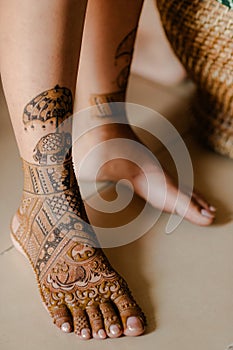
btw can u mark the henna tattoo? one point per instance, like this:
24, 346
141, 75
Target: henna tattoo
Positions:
106, 104
95, 318
57, 215
123, 57
122, 79
109, 314
127, 44
53, 228
45, 180
52, 212
80, 320
53, 105
54, 148
59, 245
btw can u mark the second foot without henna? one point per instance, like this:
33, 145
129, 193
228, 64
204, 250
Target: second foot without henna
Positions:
163, 191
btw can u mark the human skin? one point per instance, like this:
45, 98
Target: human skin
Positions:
40, 48
106, 56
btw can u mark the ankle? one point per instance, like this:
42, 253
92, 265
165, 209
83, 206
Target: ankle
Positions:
48, 179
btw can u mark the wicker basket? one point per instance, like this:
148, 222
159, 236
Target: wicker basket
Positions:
201, 34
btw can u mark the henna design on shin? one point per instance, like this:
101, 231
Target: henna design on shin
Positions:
54, 105
126, 46
123, 58
106, 103
53, 228
52, 212
54, 148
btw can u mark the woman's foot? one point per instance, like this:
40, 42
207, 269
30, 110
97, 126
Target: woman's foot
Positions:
163, 191
78, 286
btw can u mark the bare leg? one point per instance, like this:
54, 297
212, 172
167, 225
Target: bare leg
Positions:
40, 43
109, 35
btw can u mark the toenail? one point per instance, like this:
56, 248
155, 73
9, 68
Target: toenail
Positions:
133, 323
101, 334
85, 333
66, 327
205, 213
213, 209
114, 329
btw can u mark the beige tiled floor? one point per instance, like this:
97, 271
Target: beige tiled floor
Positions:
183, 281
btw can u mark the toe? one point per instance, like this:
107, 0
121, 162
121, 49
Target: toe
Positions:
81, 324
62, 318
132, 317
199, 212
203, 203
96, 322
196, 211
111, 320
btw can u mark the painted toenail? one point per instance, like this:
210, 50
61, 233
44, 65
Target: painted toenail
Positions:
85, 333
101, 334
66, 327
213, 209
205, 213
133, 323
114, 329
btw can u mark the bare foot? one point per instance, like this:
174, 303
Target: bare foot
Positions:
162, 195
78, 286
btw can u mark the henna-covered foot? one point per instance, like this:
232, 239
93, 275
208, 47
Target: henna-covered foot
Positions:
78, 286
80, 289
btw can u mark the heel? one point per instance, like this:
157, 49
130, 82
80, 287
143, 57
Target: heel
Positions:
17, 245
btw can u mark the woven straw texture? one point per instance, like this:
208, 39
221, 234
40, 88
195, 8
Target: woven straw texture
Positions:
201, 34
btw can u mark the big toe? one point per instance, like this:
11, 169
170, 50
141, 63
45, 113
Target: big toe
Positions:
132, 317
134, 326
197, 211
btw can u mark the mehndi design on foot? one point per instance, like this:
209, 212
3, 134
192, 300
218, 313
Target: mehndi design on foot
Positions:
78, 286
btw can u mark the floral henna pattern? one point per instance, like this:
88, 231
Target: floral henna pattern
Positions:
61, 248
75, 278
87, 284
53, 106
